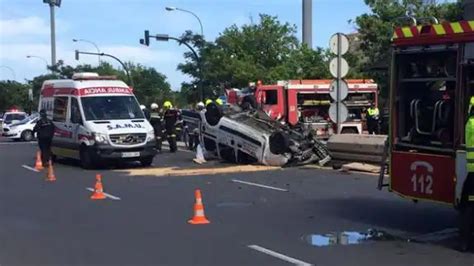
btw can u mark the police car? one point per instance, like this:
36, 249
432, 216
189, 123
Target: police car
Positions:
22, 130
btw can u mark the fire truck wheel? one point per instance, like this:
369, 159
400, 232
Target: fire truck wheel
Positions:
466, 226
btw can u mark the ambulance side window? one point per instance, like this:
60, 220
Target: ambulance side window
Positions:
75, 112
60, 109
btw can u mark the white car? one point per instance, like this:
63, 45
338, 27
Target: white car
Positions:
22, 130
13, 117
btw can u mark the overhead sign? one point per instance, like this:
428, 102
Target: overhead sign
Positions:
333, 67
343, 112
334, 44
343, 88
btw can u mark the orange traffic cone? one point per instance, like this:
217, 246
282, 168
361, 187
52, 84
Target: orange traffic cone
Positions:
199, 217
38, 163
50, 177
98, 189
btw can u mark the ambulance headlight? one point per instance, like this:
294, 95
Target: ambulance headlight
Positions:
150, 135
100, 138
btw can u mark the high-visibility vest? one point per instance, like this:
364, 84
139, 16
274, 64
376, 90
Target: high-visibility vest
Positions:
373, 111
469, 135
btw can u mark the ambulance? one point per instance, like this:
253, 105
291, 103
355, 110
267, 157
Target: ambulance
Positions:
97, 119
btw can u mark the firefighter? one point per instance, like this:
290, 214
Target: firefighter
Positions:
208, 101
146, 112
194, 135
373, 119
156, 123
44, 130
171, 117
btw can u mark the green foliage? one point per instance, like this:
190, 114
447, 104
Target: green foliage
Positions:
267, 51
376, 30
14, 94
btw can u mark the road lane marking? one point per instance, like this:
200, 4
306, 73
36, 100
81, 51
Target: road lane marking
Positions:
279, 255
16, 143
259, 185
106, 194
30, 168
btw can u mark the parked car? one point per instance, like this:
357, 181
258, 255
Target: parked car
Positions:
22, 130
13, 117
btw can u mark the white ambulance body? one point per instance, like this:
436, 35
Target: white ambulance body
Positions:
97, 119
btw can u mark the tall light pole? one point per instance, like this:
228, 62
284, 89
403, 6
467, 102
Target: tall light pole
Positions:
308, 23
91, 42
52, 4
172, 8
39, 57
11, 70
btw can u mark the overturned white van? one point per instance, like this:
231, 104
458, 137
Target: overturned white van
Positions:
97, 118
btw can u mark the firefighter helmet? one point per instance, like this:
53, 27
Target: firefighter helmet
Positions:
167, 105
154, 106
219, 101
208, 101
143, 107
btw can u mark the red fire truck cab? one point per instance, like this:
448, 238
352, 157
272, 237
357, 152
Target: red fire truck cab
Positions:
308, 102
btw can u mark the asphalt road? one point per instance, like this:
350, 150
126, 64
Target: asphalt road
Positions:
57, 224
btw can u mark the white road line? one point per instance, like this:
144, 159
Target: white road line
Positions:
106, 194
259, 185
29, 168
279, 255
16, 143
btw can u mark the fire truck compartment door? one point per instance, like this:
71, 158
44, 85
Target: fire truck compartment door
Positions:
461, 173
423, 176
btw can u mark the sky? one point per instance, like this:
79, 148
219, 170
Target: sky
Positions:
117, 25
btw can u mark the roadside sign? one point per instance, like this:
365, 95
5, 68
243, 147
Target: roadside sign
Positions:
333, 67
343, 90
334, 43
343, 112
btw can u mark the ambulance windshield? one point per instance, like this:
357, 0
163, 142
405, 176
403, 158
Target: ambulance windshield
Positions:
111, 108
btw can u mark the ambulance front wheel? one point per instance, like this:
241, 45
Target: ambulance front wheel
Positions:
146, 161
86, 158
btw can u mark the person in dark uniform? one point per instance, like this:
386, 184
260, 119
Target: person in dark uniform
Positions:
44, 130
156, 123
146, 112
171, 116
373, 119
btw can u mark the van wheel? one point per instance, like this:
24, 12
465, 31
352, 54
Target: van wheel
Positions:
27, 135
86, 159
146, 161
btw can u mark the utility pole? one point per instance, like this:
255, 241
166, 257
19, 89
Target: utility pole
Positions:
52, 4
468, 7
308, 22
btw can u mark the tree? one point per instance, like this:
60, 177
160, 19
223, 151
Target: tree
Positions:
14, 94
376, 30
268, 51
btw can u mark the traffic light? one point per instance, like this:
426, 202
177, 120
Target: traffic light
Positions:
77, 55
146, 41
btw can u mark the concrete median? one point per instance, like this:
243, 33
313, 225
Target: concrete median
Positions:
357, 148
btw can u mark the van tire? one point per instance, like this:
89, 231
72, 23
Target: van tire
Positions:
86, 158
146, 161
27, 135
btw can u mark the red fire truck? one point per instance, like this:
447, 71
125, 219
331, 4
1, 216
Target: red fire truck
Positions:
432, 81
307, 102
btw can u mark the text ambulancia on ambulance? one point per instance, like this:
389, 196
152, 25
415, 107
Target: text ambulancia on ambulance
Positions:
97, 118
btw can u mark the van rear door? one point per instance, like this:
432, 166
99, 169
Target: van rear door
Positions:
63, 132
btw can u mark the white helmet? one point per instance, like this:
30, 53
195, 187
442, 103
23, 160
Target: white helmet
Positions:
143, 107
200, 104
154, 106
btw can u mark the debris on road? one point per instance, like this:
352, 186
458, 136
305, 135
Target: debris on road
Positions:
361, 167
194, 171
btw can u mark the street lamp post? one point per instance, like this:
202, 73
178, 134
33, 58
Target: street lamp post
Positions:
39, 57
165, 38
51, 4
130, 80
172, 8
93, 43
11, 70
